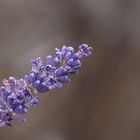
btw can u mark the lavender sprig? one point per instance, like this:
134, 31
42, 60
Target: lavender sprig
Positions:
17, 96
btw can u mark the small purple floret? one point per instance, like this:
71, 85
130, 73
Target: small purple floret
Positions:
36, 64
85, 49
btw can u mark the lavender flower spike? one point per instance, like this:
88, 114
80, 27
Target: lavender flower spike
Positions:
17, 96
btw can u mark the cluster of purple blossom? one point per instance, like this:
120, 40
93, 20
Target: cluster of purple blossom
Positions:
16, 96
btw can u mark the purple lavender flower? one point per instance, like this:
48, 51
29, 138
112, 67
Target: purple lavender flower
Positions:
17, 96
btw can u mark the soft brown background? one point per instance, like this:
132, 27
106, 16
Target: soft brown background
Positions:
103, 101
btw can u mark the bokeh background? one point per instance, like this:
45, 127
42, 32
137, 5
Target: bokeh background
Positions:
103, 101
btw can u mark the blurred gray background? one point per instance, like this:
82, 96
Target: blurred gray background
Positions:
103, 101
